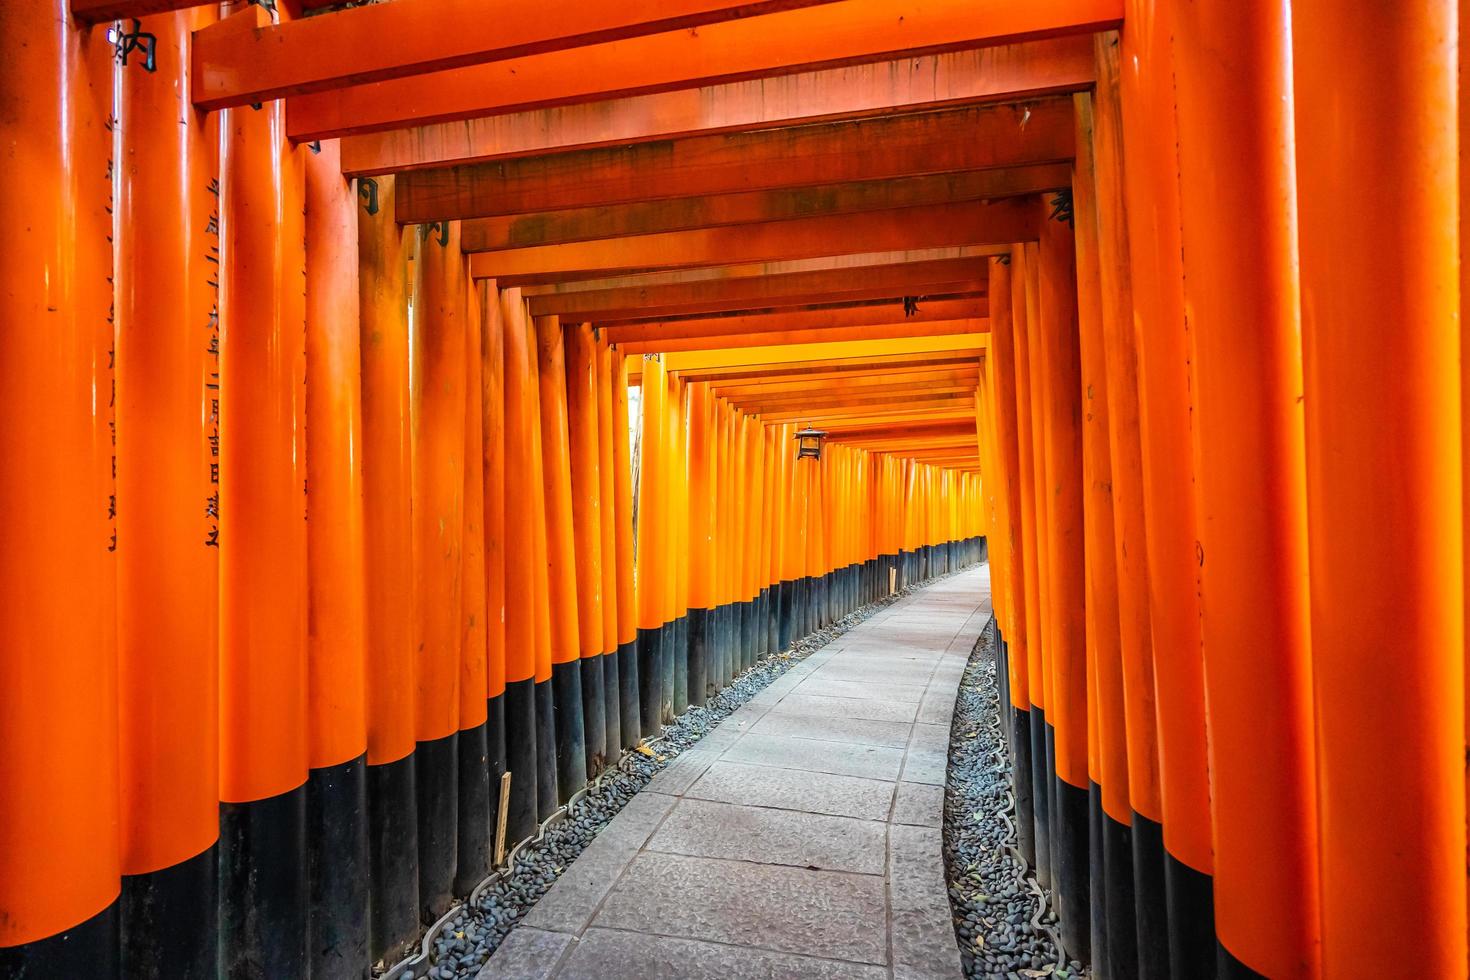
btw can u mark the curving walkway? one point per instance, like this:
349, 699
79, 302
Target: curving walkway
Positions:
801, 837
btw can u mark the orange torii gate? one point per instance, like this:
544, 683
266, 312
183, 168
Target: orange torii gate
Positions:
330, 571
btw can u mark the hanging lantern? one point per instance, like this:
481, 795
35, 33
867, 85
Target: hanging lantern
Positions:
809, 443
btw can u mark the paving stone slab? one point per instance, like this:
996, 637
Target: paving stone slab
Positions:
886, 650
937, 708
925, 764
919, 804
823, 687
931, 737
916, 870
704, 828
924, 946
526, 954
570, 903
792, 789
605, 954
798, 723
842, 758
869, 708
681, 773
880, 675
822, 913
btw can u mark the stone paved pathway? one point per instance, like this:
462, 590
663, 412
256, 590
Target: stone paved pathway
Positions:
800, 838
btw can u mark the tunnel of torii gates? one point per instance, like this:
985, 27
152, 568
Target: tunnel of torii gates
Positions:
325, 524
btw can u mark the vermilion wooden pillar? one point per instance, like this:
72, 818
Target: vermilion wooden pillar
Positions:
437, 418
1382, 399
168, 451
1115, 943
58, 728
1061, 388
492, 405
650, 556
611, 660
383, 253
263, 593
1233, 84
336, 803
1032, 518
1152, 192
674, 683
587, 505
522, 483
476, 816
561, 564
548, 792
1129, 525
623, 519
701, 539
1001, 360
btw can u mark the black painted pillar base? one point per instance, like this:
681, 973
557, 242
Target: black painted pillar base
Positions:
736, 662
337, 872
262, 887
630, 714
712, 681
697, 686
88, 949
594, 715
731, 645
1150, 904
758, 628
1022, 779
393, 857
1231, 968
168, 921
437, 780
736, 639
571, 735
612, 708
1097, 885
813, 604
473, 830
1003, 688
547, 746
650, 680
771, 616
798, 608
495, 761
522, 759
681, 664
666, 671
714, 677
804, 607
1073, 866
747, 633
1122, 948
785, 622
1190, 899
1040, 797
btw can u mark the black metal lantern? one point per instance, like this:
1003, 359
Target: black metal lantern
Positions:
809, 443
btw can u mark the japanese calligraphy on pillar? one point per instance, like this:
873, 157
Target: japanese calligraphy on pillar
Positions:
111, 327
211, 380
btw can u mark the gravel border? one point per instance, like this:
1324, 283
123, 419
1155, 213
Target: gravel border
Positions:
460, 943
1003, 919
